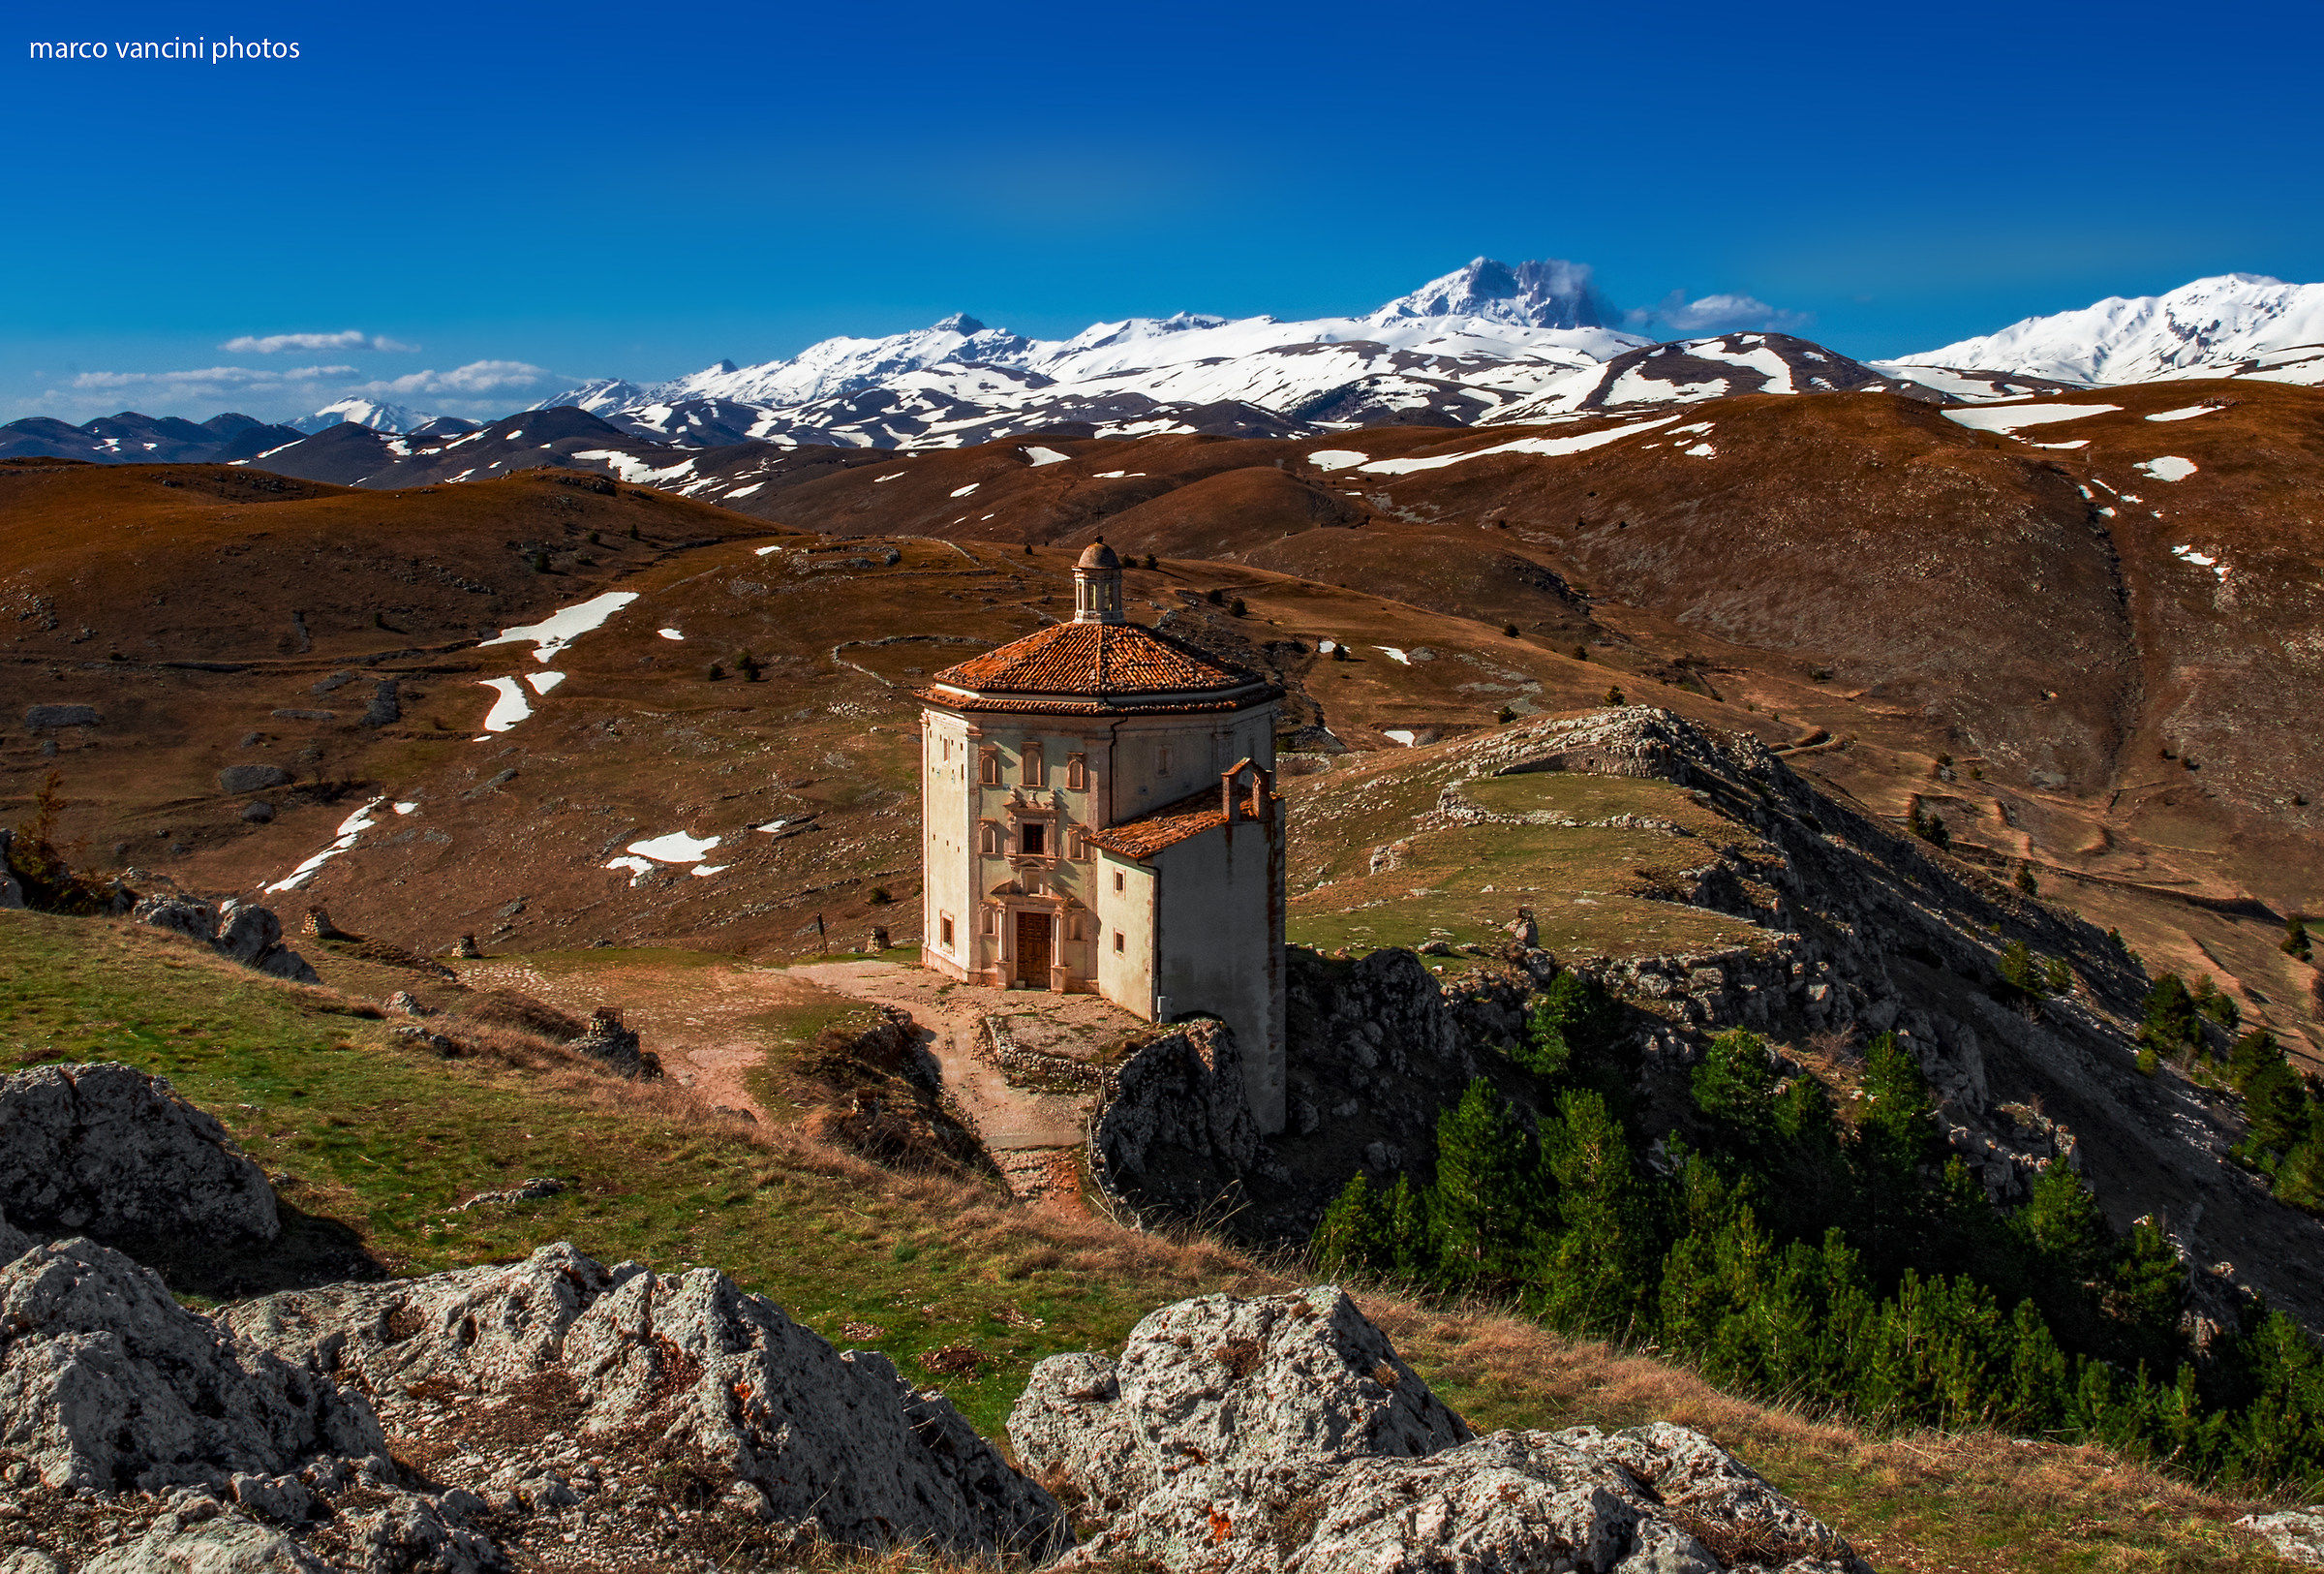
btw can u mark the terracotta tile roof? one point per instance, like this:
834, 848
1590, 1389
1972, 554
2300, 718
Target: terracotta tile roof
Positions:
1095, 659
1130, 703
1174, 822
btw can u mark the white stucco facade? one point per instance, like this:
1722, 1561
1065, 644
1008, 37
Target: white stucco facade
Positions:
1099, 815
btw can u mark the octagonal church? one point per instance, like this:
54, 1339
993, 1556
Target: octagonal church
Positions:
1100, 815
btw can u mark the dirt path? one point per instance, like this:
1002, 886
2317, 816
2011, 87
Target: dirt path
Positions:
712, 1020
705, 1019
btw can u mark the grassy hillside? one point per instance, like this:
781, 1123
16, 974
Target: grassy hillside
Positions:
378, 1141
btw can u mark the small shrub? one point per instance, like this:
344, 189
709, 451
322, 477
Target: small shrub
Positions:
1236, 608
2295, 938
1613, 697
540, 562
1929, 827
1215, 597
2025, 882
1339, 653
1508, 631
633, 535
1151, 561
595, 540
2148, 1061
1504, 715
2057, 977
715, 672
1581, 653
880, 896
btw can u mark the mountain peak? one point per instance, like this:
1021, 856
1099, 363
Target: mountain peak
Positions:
1546, 293
2221, 321
960, 322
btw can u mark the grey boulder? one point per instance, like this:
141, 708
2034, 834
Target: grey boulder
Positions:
252, 778
240, 931
2296, 1534
838, 1444
1284, 1433
41, 717
109, 1150
108, 1383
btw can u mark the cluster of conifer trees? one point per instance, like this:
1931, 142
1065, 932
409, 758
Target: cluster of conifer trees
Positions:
1847, 1261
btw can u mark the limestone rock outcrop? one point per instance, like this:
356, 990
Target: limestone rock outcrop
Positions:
1174, 1121
109, 1150
1284, 1433
552, 1410
106, 1382
240, 931
2297, 1534
798, 1434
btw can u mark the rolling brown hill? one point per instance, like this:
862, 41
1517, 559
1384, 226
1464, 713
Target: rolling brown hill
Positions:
2124, 658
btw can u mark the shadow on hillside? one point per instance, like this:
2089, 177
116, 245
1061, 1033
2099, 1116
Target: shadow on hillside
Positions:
311, 1251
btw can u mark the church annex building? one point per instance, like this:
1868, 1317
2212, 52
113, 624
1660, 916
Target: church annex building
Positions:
1099, 815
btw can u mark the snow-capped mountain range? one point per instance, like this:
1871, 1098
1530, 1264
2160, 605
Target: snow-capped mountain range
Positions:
1487, 344
2233, 324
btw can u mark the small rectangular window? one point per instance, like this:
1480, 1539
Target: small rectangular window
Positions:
988, 766
1162, 759
1117, 942
1033, 837
1077, 773
946, 922
988, 839
1035, 772
1118, 879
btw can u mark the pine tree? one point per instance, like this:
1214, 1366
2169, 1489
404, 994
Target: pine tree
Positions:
1596, 1275
2171, 1027
2295, 938
1483, 1204
1735, 1083
1349, 1235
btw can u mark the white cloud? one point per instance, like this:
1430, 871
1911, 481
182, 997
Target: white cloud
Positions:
1718, 314
273, 343
208, 377
476, 376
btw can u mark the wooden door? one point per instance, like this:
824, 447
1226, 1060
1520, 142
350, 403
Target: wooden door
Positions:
1033, 949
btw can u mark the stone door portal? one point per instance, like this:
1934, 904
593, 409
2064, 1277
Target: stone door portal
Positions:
1033, 948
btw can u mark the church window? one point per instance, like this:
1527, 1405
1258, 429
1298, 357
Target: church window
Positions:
1033, 838
1035, 772
988, 766
1078, 841
988, 839
1077, 773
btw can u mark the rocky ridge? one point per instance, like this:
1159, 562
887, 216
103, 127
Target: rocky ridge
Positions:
1864, 930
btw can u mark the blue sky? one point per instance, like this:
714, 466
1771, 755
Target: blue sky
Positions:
524, 192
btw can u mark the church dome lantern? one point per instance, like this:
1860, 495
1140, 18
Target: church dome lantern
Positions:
1097, 585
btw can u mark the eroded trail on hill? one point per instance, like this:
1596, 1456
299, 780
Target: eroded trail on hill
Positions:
712, 1022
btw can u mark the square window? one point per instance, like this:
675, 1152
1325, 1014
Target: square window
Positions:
1034, 837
